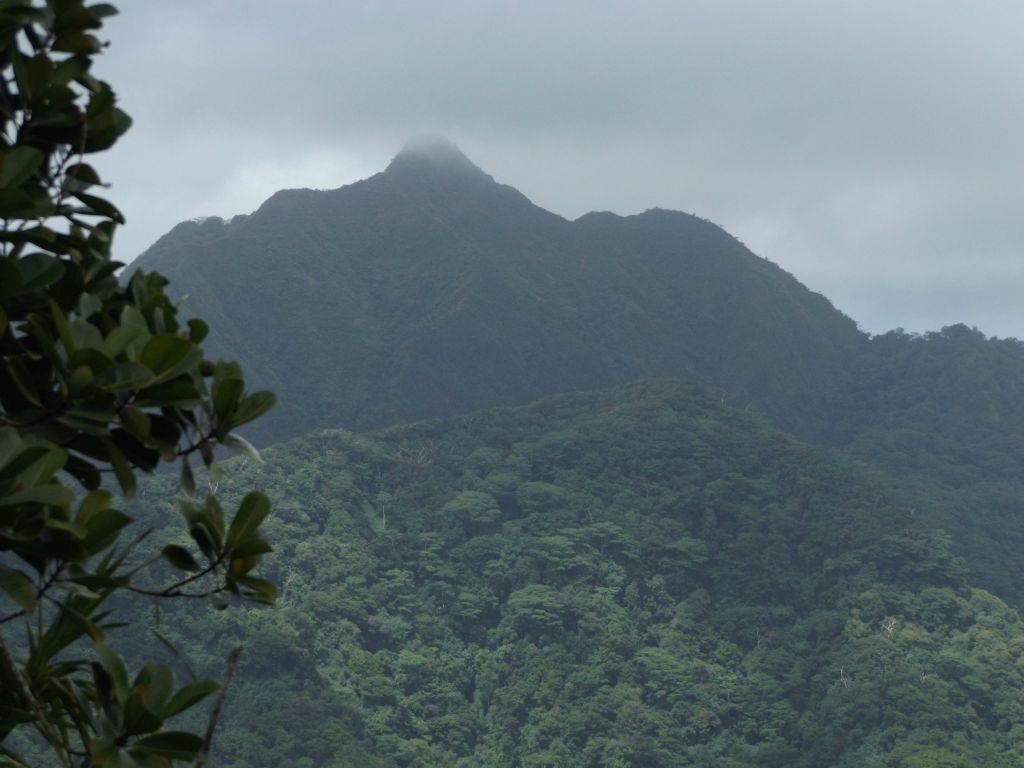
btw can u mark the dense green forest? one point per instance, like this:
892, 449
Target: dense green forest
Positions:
635, 577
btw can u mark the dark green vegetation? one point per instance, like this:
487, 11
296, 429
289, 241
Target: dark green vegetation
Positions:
640, 577
430, 290
98, 380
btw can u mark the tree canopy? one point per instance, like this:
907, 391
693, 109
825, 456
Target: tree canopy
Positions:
639, 576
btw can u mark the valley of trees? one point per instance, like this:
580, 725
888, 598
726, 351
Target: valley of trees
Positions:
598, 493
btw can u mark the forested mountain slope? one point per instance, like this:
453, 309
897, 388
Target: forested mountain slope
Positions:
943, 414
640, 576
431, 290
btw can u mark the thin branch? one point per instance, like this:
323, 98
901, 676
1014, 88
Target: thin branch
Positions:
204, 750
155, 593
174, 590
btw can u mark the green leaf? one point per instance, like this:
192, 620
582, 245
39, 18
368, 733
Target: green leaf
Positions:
136, 421
250, 547
102, 10
46, 459
53, 495
167, 355
250, 515
18, 166
84, 334
187, 478
100, 207
39, 235
138, 718
10, 279
226, 394
105, 129
70, 69
174, 745
93, 503
155, 684
18, 587
119, 338
38, 271
102, 528
197, 330
11, 445
214, 514
22, 378
179, 557
17, 204
89, 304
122, 470
104, 753
123, 377
68, 627
242, 565
76, 42
78, 531
39, 70
188, 696
60, 320
84, 174
253, 406
202, 529
262, 590
181, 393
243, 446
114, 666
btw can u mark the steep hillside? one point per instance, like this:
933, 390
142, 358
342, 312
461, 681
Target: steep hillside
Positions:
431, 290
634, 577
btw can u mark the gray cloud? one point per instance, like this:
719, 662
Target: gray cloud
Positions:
873, 149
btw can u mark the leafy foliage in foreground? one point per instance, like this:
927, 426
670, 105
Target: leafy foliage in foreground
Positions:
636, 577
97, 379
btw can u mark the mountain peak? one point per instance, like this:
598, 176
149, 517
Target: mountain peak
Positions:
436, 154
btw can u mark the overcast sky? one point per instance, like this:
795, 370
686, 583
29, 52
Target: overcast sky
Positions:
873, 149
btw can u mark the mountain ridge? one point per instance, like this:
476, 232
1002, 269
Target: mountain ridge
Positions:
419, 251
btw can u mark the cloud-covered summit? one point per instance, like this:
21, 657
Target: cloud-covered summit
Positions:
436, 154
